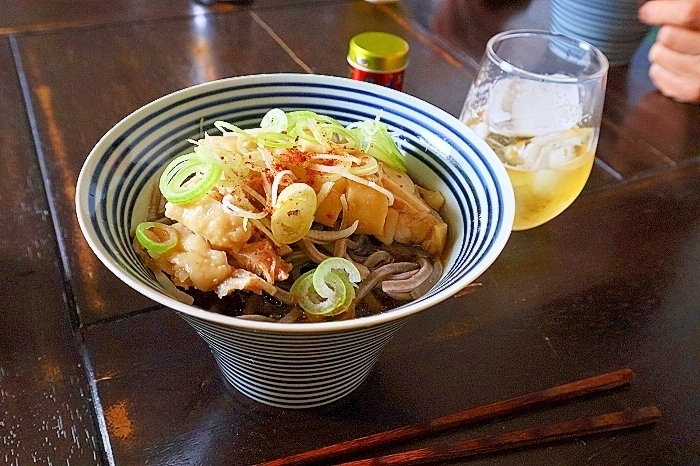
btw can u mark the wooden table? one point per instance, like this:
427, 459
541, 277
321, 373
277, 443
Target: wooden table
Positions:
93, 373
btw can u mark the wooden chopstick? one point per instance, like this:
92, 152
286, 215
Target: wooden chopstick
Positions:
518, 439
463, 418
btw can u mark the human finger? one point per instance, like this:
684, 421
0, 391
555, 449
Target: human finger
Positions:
679, 63
680, 39
685, 13
673, 85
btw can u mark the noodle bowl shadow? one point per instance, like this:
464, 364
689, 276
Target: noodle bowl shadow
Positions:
295, 365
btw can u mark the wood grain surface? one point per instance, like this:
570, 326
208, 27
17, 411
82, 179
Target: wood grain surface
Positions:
93, 373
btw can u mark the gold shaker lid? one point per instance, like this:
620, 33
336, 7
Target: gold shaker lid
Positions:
378, 51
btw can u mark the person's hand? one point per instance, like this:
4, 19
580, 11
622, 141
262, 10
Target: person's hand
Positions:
675, 56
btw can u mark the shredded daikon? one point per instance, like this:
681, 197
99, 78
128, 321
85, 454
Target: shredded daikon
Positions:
226, 127
276, 184
341, 158
327, 236
267, 157
227, 202
253, 193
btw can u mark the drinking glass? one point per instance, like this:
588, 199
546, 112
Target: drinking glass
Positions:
537, 101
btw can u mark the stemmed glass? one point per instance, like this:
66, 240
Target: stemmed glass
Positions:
537, 101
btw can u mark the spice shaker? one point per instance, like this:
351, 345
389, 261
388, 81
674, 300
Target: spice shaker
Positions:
378, 57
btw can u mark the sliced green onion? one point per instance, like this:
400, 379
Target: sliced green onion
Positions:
349, 297
297, 115
319, 135
293, 212
368, 166
330, 267
322, 128
213, 154
273, 139
274, 120
156, 237
337, 133
386, 155
301, 129
310, 301
377, 142
187, 178
364, 130
226, 127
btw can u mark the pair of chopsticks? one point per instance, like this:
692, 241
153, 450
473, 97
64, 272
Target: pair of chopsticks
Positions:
508, 441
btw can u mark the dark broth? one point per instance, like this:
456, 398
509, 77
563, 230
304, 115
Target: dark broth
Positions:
242, 303
246, 302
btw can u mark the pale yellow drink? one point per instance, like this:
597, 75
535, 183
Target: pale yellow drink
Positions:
541, 195
547, 171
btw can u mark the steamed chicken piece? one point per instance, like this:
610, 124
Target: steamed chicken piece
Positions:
244, 280
423, 228
261, 258
193, 263
212, 221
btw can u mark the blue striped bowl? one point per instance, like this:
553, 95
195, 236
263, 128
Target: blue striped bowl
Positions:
295, 365
609, 25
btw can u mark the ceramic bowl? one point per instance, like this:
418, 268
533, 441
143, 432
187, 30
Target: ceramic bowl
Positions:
295, 365
611, 26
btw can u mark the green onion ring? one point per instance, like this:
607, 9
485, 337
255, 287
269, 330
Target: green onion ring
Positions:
273, 139
175, 182
156, 229
333, 266
341, 297
275, 120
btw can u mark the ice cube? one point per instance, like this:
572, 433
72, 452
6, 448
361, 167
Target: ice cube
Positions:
520, 107
481, 129
553, 150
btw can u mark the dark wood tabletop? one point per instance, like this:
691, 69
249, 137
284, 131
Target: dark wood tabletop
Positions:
92, 373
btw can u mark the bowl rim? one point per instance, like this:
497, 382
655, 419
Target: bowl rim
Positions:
506, 209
